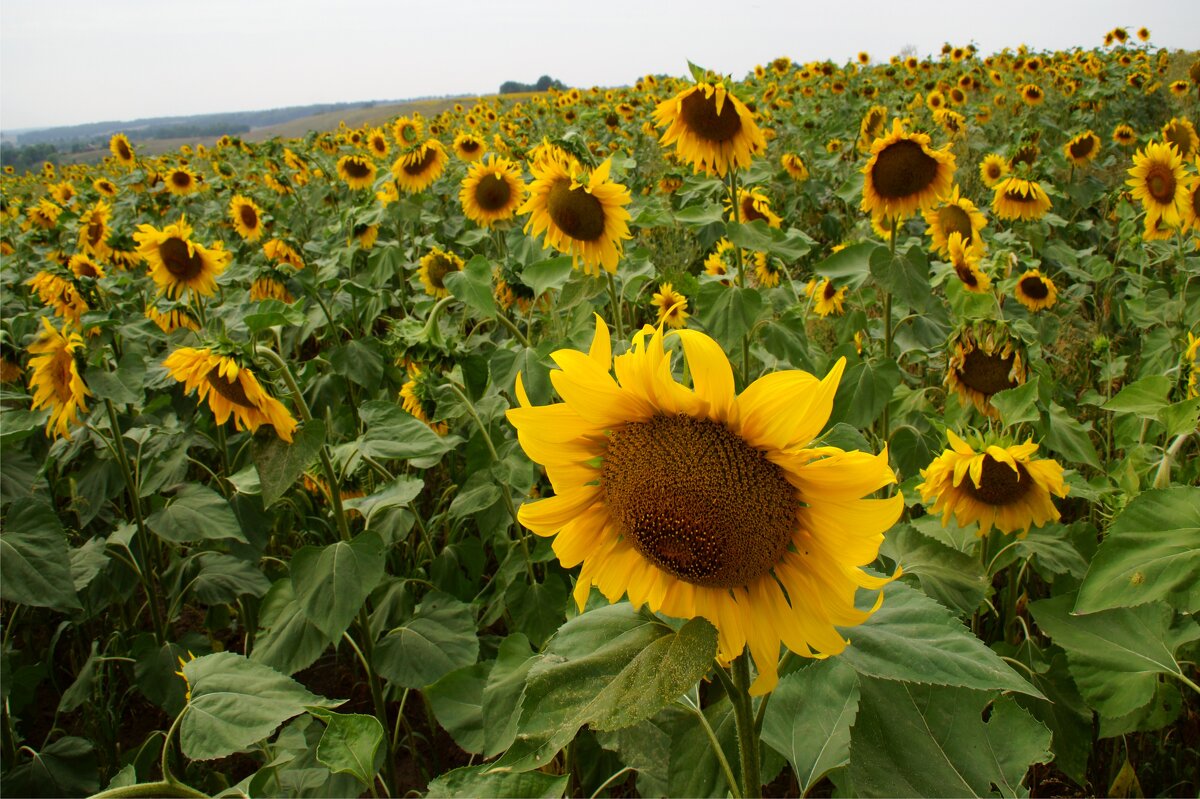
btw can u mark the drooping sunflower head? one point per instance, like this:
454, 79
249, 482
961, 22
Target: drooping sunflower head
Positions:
1036, 291
1082, 149
492, 191
1018, 198
712, 130
246, 217
181, 181
966, 257
281, 252
44, 214
62, 192
767, 270
671, 306
435, 265
697, 501
178, 264
1157, 178
586, 220
956, 214
94, 230
56, 381
415, 170
1181, 134
984, 360
794, 166
121, 149
1005, 487
231, 390
59, 294
418, 398
871, 126
358, 172
270, 286
469, 147
174, 317
904, 175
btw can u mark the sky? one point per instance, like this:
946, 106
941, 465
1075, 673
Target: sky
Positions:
66, 62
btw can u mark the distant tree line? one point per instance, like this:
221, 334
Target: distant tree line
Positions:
28, 158
544, 83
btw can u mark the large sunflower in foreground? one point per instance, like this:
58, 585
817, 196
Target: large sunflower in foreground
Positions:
904, 175
587, 221
177, 263
711, 128
1002, 487
417, 169
1018, 198
1158, 180
492, 191
56, 382
231, 389
702, 502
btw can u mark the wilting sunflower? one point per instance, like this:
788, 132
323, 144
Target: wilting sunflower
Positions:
181, 181
1158, 180
905, 176
281, 252
752, 205
416, 170
965, 257
356, 171
246, 217
492, 191
702, 502
984, 360
1181, 134
270, 287
1082, 149
94, 230
1036, 291
177, 263
671, 306
230, 388
1124, 135
956, 214
993, 169
43, 215
469, 147
1018, 198
1003, 486
377, 143
121, 149
174, 318
794, 166
60, 295
56, 382
826, 297
434, 267
510, 291
712, 130
587, 221
417, 397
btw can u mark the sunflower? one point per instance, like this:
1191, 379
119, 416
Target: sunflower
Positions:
752, 205
492, 191
177, 263
965, 257
44, 215
230, 388
56, 382
416, 170
871, 126
181, 181
827, 298
407, 132
83, 266
1003, 486
365, 235
1179, 88
62, 192
905, 176
469, 147
718, 263
105, 187
671, 305
794, 166
94, 230
1032, 94
509, 290
767, 272
246, 217
699, 502
1189, 209
417, 398
1158, 180
1036, 291
711, 129
357, 172
121, 149
269, 287
587, 221
1082, 149
377, 143
1124, 135
434, 267
60, 295
1017, 198
175, 317
956, 214
1180, 134
281, 252
984, 361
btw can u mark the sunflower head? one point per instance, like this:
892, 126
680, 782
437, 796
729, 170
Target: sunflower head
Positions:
418, 168
1181, 134
985, 359
435, 265
1036, 291
794, 166
230, 388
671, 307
358, 172
1158, 179
469, 147
1018, 198
121, 149
1082, 149
56, 381
904, 175
178, 264
712, 130
246, 217
492, 191
181, 181
956, 214
965, 256
418, 398
1124, 135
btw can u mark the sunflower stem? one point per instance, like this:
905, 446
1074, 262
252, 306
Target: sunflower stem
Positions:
615, 301
366, 656
743, 709
730, 780
503, 319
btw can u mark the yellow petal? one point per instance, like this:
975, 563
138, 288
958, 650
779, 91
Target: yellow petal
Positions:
712, 376
548, 516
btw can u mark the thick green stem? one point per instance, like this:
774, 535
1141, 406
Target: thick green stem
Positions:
151, 789
615, 300
1162, 477
743, 710
503, 319
366, 656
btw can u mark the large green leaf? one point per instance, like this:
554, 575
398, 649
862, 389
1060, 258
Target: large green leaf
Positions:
394, 433
866, 388
952, 577
850, 266
473, 285
1115, 655
236, 702
728, 312
611, 667
693, 767
1151, 552
472, 781
332, 582
287, 639
549, 274
503, 692
457, 703
921, 740
351, 744
906, 275
809, 718
1018, 404
279, 463
1063, 711
196, 513
439, 638
1144, 398
396, 494
223, 578
1067, 436
35, 567
912, 638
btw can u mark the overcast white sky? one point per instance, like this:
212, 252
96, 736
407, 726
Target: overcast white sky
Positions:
66, 62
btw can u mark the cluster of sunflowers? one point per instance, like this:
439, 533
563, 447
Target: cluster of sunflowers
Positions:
954, 218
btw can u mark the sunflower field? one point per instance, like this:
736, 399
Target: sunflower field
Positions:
826, 431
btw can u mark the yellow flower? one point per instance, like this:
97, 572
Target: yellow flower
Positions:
752, 205
1124, 135
702, 502
956, 214
984, 360
827, 298
177, 263
56, 382
246, 217
121, 149
435, 265
269, 288
59, 294
711, 129
175, 318
231, 389
469, 147
377, 143
416, 170
965, 258
94, 230
1082, 149
1179, 133
1158, 180
281, 252
905, 176
492, 191
1017, 198
356, 171
671, 305
1036, 291
794, 166
416, 396
181, 181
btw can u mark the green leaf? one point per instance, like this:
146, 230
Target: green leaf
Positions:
546, 275
35, 567
865, 389
912, 638
1063, 711
1145, 397
237, 702
272, 313
693, 768
473, 286
916, 740
1068, 437
757, 236
287, 639
393, 433
1052, 550
480, 492
1115, 655
351, 744
700, 215
906, 276
610, 668
538, 609
457, 703
359, 361
850, 266
66, 767
1181, 417
331, 583
728, 312
196, 513
809, 718
439, 638
472, 781
951, 577
503, 692
645, 747
1151, 552
396, 494
1017, 405
223, 578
